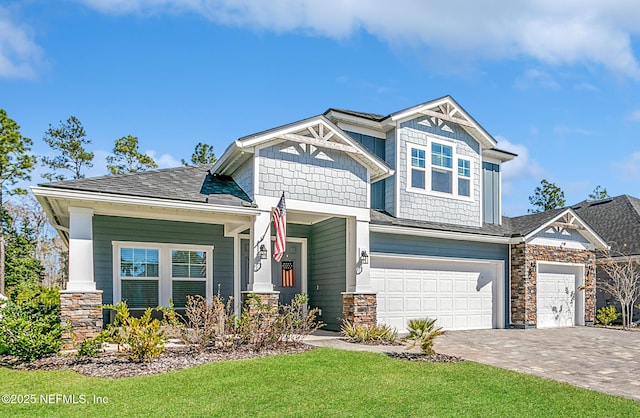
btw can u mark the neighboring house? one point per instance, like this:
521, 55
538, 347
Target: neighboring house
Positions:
617, 221
389, 218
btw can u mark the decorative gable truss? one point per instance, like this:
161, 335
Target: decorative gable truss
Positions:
446, 110
317, 132
566, 230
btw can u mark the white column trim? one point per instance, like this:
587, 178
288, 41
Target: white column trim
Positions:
81, 276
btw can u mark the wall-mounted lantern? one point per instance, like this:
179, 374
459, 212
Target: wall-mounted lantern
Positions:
364, 257
262, 252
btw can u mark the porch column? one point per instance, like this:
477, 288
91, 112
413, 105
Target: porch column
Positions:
80, 302
81, 250
359, 302
261, 269
363, 278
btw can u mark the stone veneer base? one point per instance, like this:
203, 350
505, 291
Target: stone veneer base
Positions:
359, 308
524, 258
82, 311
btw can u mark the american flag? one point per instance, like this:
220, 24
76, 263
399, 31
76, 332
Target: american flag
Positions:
288, 274
279, 217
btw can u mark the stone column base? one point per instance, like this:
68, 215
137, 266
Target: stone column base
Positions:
82, 311
359, 308
271, 299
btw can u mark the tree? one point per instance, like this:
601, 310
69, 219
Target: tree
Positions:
21, 267
545, 197
203, 154
599, 193
68, 139
623, 281
15, 165
27, 215
127, 158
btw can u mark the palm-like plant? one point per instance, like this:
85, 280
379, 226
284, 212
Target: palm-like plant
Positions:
424, 333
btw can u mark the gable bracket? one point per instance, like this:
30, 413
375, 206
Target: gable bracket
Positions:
565, 225
320, 143
448, 118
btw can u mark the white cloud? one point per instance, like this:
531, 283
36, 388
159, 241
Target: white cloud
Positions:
164, 160
584, 86
19, 54
536, 78
635, 115
553, 32
521, 166
566, 130
630, 167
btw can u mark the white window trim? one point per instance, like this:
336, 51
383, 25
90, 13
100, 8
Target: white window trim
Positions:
164, 267
429, 167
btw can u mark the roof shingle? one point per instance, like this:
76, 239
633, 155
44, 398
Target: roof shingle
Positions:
192, 184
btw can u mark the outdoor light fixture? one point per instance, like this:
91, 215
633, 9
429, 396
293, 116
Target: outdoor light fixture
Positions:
262, 252
364, 257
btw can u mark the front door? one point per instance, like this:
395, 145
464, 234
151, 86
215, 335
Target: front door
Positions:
287, 274
292, 263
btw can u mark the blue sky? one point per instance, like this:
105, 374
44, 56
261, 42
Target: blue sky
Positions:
556, 83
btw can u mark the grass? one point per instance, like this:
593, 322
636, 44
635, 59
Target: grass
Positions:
319, 383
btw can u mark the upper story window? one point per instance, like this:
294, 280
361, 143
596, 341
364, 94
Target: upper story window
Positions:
447, 173
418, 168
464, 177
441, 168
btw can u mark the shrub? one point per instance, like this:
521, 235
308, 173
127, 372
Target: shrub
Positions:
423, 332
142, 339
258, 324
208, 324
607, 315
30, 322
90, 347
297, 320
363, 333
28, 333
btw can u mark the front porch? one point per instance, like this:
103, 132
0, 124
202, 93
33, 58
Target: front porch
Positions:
324, 250
149, 262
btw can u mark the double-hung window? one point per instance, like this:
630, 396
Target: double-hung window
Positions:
445, 172
148, 275
418, 168
464, 177
188, 275
441, 168
139, 276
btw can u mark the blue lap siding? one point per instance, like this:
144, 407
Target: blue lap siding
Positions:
107, 229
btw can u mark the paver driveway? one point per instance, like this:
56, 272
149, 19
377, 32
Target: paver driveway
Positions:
605, 360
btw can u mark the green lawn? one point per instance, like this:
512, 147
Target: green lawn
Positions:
321, 383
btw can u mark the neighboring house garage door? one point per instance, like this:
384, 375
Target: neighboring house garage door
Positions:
459, 294
558, 298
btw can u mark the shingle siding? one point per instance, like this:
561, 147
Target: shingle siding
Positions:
243, 176
423, 206
323, 176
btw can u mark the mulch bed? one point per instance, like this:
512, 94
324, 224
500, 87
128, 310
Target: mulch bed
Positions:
433, 358
114, 365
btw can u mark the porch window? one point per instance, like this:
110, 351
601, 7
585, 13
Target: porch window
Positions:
188, 275
139, 274
149, 275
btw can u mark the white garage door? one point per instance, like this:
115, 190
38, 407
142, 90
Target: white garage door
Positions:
460, 295
556, 295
